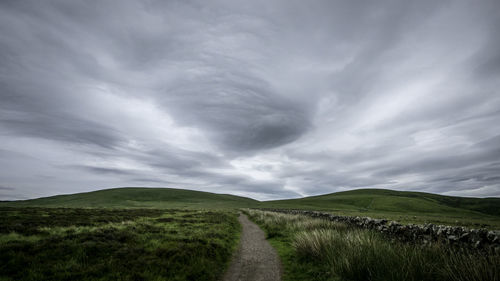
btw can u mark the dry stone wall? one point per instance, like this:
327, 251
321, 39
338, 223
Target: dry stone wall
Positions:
482, 239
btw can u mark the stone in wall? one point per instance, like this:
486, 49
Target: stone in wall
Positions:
483, 239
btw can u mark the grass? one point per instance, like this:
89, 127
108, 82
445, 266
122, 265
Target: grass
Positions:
404, 207
315, 249
169, 234
109, 244
135, 197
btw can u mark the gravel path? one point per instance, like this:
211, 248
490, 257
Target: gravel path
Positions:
255, 260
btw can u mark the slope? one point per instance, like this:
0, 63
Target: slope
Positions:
404, 206
136, 197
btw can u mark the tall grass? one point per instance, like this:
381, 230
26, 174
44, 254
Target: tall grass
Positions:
108, 244
338, 251
276, 224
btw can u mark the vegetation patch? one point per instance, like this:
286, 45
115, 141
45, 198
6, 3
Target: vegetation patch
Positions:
317, 249
103, 244
402, 206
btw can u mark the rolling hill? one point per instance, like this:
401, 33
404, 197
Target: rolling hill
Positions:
136, 197
393, 201
403, 206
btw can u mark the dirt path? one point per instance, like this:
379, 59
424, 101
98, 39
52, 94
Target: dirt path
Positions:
255, 260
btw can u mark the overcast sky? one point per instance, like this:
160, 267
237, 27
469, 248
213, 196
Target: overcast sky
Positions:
266, 99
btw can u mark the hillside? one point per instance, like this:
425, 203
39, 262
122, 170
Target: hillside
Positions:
404, 206
136, 197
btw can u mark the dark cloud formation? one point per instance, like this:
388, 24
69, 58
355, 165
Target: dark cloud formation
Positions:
264, 99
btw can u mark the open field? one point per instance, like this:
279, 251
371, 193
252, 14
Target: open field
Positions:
316, 249
137, 197
404, 207
175, 234
114, 244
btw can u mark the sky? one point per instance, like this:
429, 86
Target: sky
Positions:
266, 99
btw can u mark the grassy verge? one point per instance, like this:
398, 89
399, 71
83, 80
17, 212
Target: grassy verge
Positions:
405, 217
402, 206
316, 249
99, 244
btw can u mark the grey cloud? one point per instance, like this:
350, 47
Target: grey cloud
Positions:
156, 181
180, 159
264, 99
242, 115
104, 170
489, 60
6, 188
60, 128
486, 62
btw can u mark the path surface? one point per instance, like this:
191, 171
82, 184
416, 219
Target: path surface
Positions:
255, 260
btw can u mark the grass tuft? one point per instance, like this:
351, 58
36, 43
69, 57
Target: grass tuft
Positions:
96, 244
313, 249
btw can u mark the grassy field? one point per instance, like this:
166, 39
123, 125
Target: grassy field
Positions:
405, 207
114, 244
316, 249
136, 197
175, 234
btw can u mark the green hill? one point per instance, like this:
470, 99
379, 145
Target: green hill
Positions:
135, 197
403, 206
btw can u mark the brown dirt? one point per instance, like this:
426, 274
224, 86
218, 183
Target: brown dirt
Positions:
255, 259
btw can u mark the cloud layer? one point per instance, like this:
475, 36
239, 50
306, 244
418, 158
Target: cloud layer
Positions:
264, 99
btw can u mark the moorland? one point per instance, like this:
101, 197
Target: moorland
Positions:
175, 234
